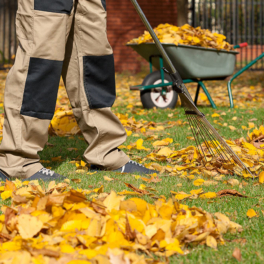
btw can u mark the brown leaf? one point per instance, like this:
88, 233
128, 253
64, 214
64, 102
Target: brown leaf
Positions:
136, 189
222, 171
237, 254
241, 241
4, 237
98, 208
9, 214
10, 186
44, 252
76, 180
49, 144
19, 199
76, 197
130, 235
56, 199
228, 192
152, 179
258, 142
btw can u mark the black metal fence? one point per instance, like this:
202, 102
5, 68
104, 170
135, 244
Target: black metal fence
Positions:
239, 20
8, 40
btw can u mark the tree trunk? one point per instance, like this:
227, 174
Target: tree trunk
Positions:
182, 12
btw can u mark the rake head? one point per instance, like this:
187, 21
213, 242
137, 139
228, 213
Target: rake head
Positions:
211, 146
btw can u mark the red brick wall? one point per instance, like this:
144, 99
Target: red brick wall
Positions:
125, 24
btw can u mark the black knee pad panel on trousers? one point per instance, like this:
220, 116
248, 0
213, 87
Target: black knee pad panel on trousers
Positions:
99, 80
104, 4
55, 6
41, 88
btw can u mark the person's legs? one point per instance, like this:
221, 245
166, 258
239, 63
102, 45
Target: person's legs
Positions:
32, 84
89, 77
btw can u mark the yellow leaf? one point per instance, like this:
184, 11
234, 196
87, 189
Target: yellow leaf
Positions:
199, 191
251, 213
233, 182
71, 225
215, 115
143, 130
139, 145
129, 133
261, 177
11, 246
182, 196
67, 249
89, 253
175, 246
198, 182
28, 226
108, 179
211, 242
165, 152
79, 261
208, 195
112, 201
251, 125
232, 128
190, 177
6, 194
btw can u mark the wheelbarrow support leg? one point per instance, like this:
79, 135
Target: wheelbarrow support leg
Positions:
207, 94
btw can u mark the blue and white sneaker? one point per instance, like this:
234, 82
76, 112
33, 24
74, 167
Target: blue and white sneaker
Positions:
44, 175
130, 167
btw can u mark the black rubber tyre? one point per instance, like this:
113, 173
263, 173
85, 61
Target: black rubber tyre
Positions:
152, 98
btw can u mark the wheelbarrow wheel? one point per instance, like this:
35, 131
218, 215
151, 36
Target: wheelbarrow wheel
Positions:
153, 97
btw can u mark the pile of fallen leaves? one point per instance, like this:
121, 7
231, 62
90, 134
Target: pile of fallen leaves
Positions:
185, 35
189, 160
65, 225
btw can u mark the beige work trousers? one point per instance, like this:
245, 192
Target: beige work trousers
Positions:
68, 38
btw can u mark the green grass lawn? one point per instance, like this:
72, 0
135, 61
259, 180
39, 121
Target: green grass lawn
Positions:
250, 241
236, 208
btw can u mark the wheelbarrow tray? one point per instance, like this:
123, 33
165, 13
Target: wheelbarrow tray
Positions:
192, 62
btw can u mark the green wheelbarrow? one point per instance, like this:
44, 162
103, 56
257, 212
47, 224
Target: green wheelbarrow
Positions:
195, 65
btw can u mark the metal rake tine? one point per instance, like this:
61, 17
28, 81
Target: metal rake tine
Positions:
196, 139
230, 152
214, 140
205, 140
217, 142
203, 136
197, 136
221, 152
224, 147
227, 149
234, 156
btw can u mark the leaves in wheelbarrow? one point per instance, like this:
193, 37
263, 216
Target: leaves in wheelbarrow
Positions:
186, 35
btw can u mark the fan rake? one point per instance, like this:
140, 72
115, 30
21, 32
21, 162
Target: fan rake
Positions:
212, 147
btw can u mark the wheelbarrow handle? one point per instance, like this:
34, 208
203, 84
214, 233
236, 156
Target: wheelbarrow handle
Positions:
241, 45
